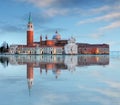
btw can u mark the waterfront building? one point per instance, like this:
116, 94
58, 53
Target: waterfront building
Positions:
56, 45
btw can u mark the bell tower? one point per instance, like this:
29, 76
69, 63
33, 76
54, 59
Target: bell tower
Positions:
30, 32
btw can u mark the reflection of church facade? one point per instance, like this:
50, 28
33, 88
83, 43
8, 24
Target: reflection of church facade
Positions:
55, 63
56, 45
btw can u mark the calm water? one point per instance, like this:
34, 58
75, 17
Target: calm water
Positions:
60, 80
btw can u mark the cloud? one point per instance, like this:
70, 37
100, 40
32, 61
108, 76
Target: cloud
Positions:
97, 35
108, 92
104, 9
53, 8
100, 9
102, 95
68, 3
55, 11
104, 12
94, 10
108, 14
39, 19
39, 3
11, 29
112, 25
113, 84
107, 17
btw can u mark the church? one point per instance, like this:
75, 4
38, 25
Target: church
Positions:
56, 45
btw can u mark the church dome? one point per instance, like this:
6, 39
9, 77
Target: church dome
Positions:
57, 36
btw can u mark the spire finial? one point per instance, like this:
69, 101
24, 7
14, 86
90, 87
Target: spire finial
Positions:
30, 18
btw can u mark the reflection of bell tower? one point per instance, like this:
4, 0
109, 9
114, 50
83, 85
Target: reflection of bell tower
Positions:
30, 75
30, 32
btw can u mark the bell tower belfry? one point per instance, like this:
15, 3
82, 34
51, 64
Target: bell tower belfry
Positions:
30, 32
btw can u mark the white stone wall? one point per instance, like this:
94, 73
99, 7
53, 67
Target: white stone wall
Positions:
71, 48
12, 49
49, 50
39, 50
26, 50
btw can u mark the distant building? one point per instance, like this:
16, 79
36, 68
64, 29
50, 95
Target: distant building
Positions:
93, 48
56, 45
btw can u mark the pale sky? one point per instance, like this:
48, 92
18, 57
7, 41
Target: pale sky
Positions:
89, 21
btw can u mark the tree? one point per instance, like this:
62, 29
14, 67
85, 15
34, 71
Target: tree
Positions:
1, 49
4, 47
7, 46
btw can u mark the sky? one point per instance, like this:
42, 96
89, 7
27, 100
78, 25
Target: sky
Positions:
89, 21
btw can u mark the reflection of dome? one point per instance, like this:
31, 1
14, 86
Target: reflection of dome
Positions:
57, 36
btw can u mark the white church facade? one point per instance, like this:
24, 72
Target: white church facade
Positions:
71, 47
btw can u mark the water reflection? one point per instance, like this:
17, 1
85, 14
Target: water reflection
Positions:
4, 60
56, 63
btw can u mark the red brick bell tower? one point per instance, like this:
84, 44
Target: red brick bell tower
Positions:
30, 33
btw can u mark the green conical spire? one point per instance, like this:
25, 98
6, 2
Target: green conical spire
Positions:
30, 18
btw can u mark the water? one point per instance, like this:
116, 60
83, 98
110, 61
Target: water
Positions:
59, 80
